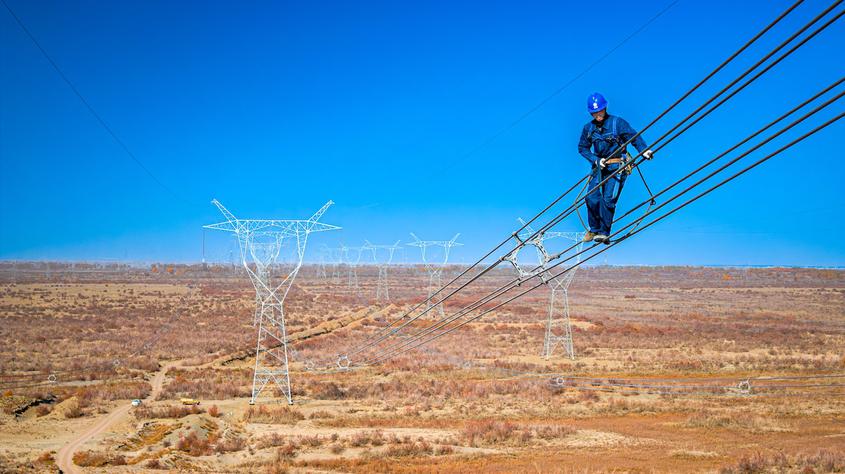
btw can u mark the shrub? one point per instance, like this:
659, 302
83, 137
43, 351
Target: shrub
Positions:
311, 441
231, 444
552, 431
418, 448
271, 440
287, 451
193, 445
329, 391
443, 450
822, 460
72, 409
273, 415
363, 438
96, 459
320, 414
145, 412
488, 432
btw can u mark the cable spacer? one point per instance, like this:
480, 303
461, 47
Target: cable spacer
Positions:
744, 387
343, 362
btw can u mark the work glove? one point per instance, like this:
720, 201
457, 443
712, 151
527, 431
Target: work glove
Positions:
648, 154
602, 164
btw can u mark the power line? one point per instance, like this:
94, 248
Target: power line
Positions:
490, 297
87, 104
406, 345
656, 147
681, 206
386, 332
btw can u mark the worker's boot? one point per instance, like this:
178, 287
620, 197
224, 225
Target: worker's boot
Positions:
588, 236
601, 238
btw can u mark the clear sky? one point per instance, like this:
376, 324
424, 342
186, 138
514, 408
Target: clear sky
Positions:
274, 108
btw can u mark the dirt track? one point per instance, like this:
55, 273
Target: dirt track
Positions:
64, 458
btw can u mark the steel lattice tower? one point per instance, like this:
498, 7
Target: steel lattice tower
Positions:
335, 258
387, 251
558, 286
260, 242
321, 273
435, 269
352, 265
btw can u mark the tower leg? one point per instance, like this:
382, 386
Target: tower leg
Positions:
271, 353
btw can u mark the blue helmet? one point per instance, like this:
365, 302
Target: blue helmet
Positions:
596, 103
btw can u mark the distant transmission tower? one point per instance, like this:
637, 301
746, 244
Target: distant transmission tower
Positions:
261, 241
352, 257
558, 286
322, 274
434, 269
382, 258
336, 256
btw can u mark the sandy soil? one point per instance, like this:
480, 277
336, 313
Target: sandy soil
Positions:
461, 404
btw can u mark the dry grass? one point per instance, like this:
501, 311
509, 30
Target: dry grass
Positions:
734, 421
146, 412
495, 432
820, 461
456, 395
97, 459
273, 415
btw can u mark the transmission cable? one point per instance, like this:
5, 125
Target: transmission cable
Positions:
767, 157
687, 176
506, 288
386, 332
88, 105
657, 147
802, 137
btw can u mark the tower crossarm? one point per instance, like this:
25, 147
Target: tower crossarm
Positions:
389, 250
317, 215
231, 220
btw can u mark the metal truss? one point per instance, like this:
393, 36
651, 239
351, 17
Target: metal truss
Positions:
382, 258
558, 285
334, 257
261, 242
352, 257
322, 263
434, 269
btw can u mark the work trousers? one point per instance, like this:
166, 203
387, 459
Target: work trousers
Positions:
601, 202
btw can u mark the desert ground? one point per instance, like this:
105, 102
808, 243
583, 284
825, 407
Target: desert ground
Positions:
675, 369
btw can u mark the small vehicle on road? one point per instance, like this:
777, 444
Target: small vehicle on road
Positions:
136, 402
189, 401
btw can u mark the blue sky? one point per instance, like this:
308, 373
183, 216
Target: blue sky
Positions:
274, 108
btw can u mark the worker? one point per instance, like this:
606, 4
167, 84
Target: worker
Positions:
601, 143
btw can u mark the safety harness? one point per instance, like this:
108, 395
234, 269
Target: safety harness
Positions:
611, 137
627, 164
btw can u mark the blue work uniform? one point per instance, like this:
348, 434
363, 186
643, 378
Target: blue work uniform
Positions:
601, 140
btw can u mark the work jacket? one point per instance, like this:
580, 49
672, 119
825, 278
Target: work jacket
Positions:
600, 140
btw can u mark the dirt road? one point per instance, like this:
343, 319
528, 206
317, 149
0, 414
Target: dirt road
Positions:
64, 459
